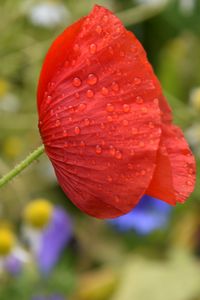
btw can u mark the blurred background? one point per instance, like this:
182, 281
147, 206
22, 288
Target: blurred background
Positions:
48, 249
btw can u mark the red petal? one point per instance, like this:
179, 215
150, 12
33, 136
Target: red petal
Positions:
174, 176
99, 115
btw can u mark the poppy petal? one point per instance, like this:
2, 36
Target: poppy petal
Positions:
175, 168
99, 117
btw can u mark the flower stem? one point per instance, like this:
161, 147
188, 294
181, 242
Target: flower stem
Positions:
21, 166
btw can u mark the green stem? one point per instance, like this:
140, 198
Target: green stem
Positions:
21, 166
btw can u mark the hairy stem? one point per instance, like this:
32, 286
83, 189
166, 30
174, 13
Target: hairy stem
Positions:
21, 166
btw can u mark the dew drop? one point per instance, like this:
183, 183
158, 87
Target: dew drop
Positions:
144, 110
151, 125
77, 130
98, 29
117, 199
189, 182
126, 108
118, 154
115, 86
141, 144
190, 171
77, 95
57, 123
93, 48
82, 106
49, 98
110, 49
139, 100
134, 130
125, 122
92, 79
112, 150
109, 179
109, 118
64, 133
82, 144
90, 94
130, 166
137, 80
98, 149
109, 107
76, 82
87, 122
155, 101
104, 91
76, 48
105, 18
143, 172
66, 64
66, 145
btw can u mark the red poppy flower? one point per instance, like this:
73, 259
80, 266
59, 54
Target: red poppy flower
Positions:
105, 123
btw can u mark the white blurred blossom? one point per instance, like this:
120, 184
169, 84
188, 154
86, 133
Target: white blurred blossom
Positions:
187, 6
194, 98
152, 2
48, 14
193, 137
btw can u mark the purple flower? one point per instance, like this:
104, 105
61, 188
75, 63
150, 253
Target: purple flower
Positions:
150, 214
54, 239
13, 265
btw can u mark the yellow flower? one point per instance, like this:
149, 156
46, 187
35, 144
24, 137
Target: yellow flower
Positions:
13, 146
4, 87
38, 213
195, 98
7, 241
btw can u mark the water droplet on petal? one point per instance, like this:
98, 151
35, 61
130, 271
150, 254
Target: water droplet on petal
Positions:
82, 144
189, 182
66, 64
115, 86
143, 172
110, 49
77, 130
77, 95
137, 80
134, 130
104, 91
118, 154
151, 125
144, 110
98, 149
109, 107
105, 18
64, 133
141, 144
87, 122
112, 150
126, 108
155, 101
57, 123
82, 106
130, 166
139, 100
125, 122
92, 79
90, 93
76, 82
76, 48
93, 48
109, 179
117, 199
49, 98
109, 118
98, 29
